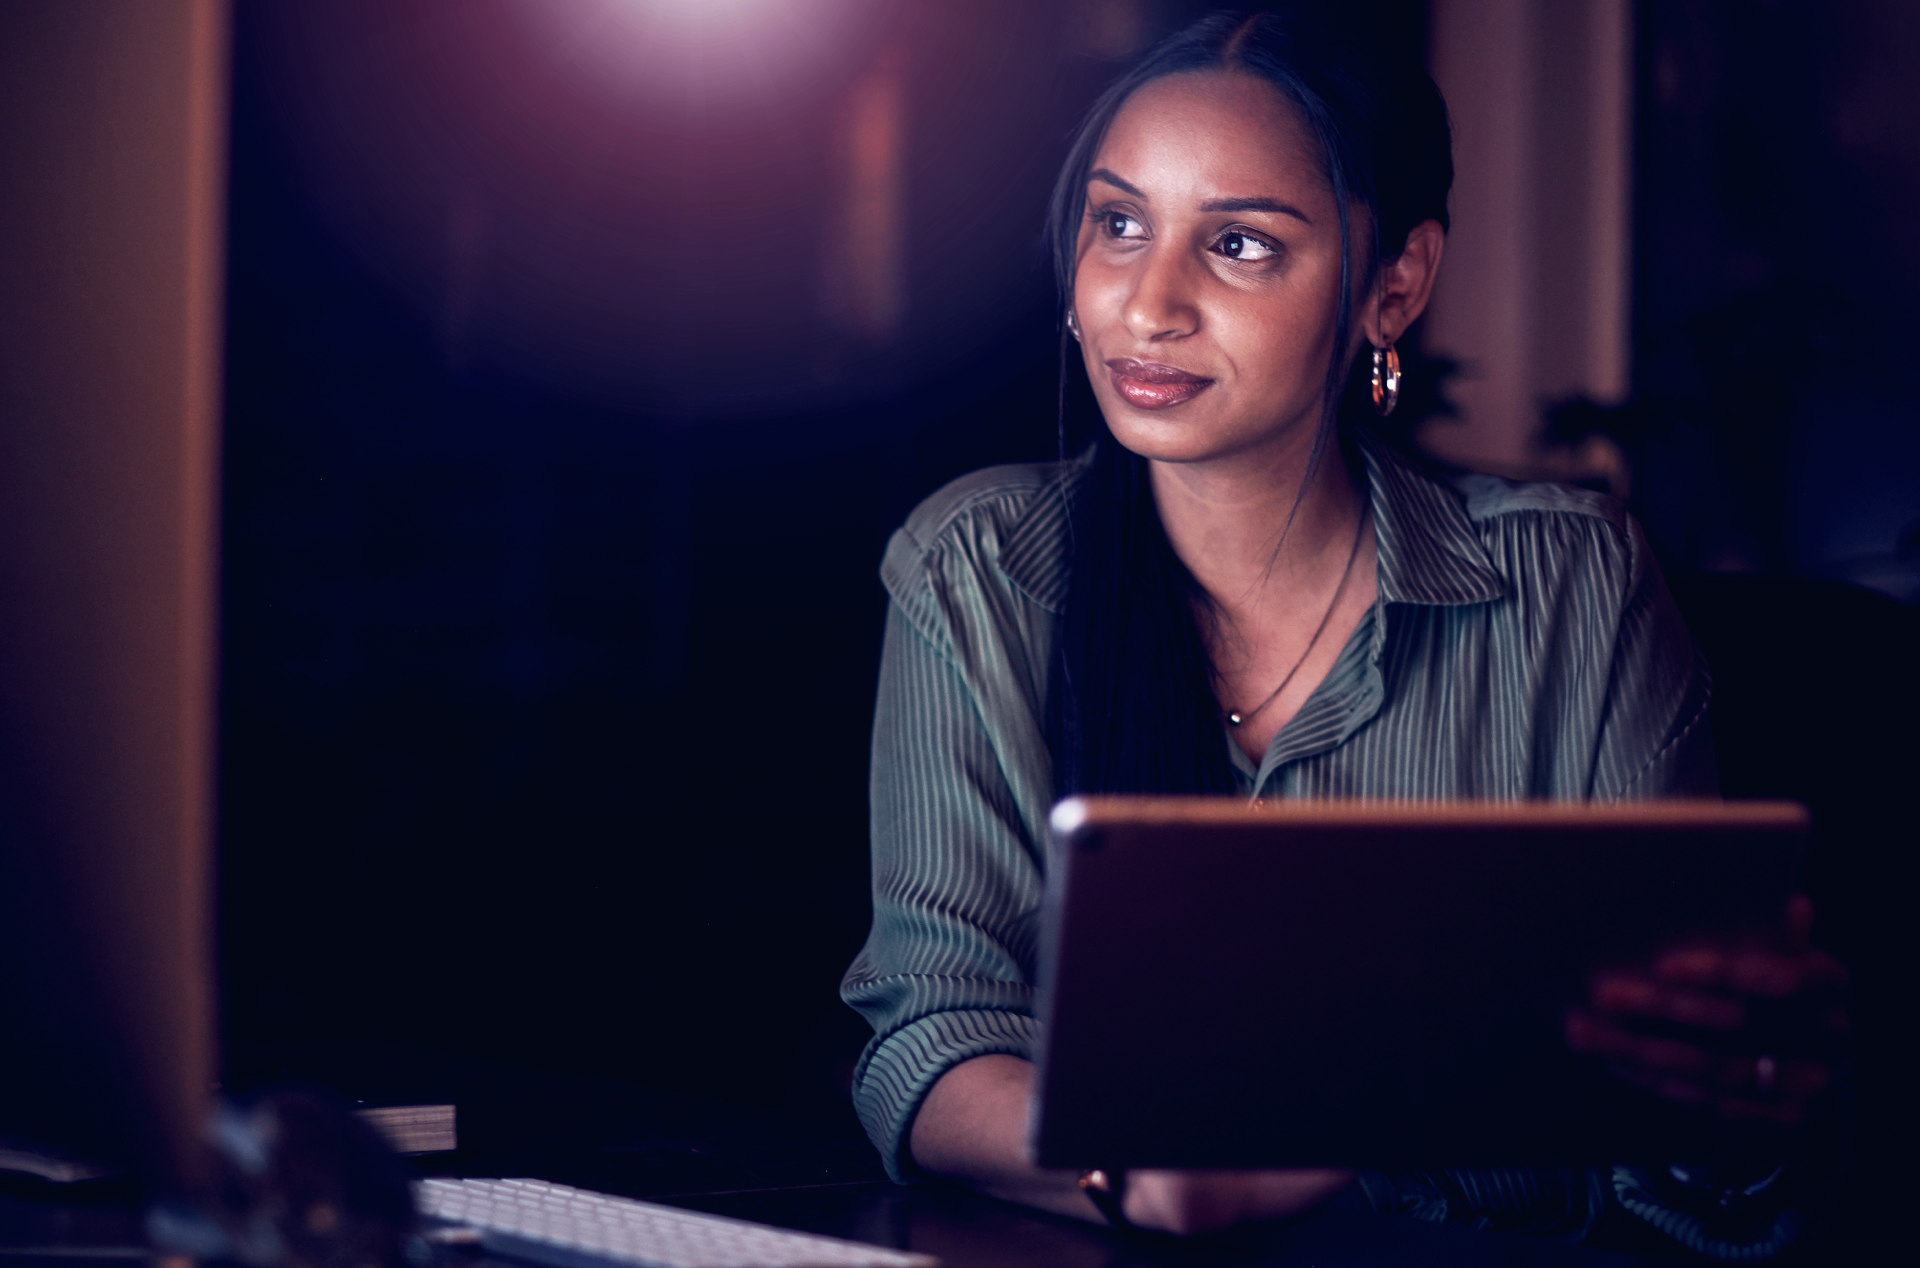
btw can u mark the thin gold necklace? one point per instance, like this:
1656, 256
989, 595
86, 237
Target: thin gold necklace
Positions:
1236, 717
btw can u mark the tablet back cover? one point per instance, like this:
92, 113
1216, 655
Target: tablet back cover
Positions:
1369, 983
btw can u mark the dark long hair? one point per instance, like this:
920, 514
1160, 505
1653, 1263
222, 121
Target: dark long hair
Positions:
1131, 705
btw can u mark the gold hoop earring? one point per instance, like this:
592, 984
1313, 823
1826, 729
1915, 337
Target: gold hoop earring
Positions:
1073, 325
1386, 380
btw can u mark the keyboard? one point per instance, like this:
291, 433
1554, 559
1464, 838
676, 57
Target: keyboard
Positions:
575, 1228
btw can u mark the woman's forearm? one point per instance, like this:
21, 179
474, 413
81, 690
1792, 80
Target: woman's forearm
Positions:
973, 1128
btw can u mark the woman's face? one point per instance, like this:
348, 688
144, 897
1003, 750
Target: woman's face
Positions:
1208, 270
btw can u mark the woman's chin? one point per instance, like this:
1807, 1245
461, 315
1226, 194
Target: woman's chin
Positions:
1167, 436
1200, 430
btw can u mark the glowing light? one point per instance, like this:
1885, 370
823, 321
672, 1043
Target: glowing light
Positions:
865, 288
691, 18
703, 49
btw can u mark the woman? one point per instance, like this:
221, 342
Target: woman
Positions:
1239, 591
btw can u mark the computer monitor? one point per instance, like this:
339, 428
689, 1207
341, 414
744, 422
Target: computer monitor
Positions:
112, 173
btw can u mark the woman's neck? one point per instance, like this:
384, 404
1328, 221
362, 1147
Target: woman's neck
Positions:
1243, 522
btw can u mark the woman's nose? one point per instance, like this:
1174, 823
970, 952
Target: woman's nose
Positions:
1161, 305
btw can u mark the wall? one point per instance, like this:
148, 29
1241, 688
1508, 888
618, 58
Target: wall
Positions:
1533, 298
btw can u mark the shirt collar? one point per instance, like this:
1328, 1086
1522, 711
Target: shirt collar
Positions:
1428, 551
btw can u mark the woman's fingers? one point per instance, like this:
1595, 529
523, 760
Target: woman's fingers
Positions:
1799, 920
1791, 1076
1643, 997
1181, 1202
1764, 1087
1693, 966
1593, 1036
1785, 967
1189, 1202
1783, 976
1706, 986
1751, 995
1798, 1078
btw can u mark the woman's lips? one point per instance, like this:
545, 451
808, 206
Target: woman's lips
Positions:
1150, 385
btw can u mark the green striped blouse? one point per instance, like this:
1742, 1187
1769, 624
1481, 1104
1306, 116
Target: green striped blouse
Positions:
1523, 645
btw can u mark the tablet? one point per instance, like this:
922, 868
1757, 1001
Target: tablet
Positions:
1370, 983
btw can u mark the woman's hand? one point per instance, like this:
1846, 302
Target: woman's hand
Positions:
1188, 1202
1745, 1028
973, 1128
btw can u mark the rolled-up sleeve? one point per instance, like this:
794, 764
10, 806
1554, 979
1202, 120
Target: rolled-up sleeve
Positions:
947, 971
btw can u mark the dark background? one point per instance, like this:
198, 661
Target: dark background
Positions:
555, 489
553, 509
1777, 190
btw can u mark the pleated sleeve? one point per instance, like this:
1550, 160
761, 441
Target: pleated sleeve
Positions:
961, 785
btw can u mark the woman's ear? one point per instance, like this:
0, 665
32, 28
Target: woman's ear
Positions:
1406, 283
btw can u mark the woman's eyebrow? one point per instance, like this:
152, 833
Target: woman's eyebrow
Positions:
1256, 204
1215, 204
1102, 174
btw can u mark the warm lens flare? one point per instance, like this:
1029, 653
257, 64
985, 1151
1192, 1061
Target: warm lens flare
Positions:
694, 17
703, 49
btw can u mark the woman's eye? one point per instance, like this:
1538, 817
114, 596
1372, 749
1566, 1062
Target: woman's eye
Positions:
1243, 246
1118, 224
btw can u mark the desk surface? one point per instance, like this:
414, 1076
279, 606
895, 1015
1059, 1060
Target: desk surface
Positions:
963, 1230
967, 1231
818, 1175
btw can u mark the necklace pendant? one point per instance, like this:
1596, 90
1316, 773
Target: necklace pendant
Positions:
1234, 718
